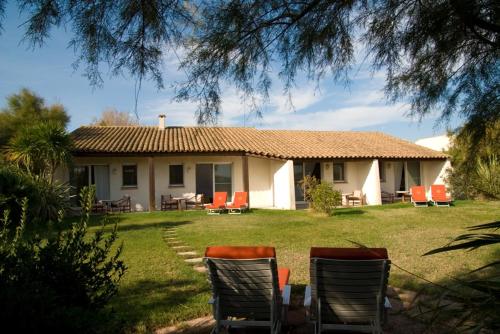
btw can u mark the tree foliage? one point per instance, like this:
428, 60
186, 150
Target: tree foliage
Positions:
475, 163
25, 109
41, 149
439, 55
114, 117
325, 198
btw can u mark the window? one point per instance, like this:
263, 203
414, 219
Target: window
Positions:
129, 175
223, 179
176, 175
381, 170
339, 172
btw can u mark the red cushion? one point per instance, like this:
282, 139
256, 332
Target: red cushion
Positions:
438, 192
240, 252
283, 276
418, 194
349, 253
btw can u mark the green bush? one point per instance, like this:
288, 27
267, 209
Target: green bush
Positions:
308, 184
45, 199
59, 282
325, 198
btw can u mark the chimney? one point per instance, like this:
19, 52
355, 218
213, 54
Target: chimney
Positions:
161, 122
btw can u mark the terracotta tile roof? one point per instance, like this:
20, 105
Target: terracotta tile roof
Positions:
286, 144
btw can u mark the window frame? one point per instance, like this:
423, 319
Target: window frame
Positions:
175, 185
129, 186
344, 178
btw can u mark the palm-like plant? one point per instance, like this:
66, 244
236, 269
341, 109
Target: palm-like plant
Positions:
41, 149
477, 308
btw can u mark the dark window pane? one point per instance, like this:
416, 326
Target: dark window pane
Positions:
129, 175
79, 178
381, 170
338, 172
176, 175
222, 173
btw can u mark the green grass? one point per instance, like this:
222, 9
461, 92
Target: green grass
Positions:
159, 289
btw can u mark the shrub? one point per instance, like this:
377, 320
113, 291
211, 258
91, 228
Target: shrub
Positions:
59, 282
46, 199
325, 198
308, 184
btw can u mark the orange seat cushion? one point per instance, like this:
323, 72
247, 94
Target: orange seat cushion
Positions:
283, 276
240, 252
349, 253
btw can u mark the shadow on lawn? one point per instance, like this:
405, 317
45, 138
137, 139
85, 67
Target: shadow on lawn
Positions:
149, 299
134, 226
348, 212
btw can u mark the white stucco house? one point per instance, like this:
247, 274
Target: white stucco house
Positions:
145, 162
437, 143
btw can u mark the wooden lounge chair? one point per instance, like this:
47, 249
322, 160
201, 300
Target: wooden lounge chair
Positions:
438, 195
195, 202
348, 289
355, 198
219, 204
168, 203
248, 289
418, 196
239, 204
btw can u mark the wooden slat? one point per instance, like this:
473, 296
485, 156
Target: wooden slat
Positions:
238, 286
261, 275
352, 275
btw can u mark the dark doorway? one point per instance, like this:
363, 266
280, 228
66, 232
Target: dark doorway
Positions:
204, 180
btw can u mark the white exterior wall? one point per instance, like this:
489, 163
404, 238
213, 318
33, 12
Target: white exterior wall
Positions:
284, 186
260, 178
434, 172
371, 184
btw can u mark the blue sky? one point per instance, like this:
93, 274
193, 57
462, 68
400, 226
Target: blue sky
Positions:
48, 71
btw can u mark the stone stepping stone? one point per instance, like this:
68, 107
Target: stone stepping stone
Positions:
200, 269
180, 247
194, 260
190, 253
170, 238
172, 242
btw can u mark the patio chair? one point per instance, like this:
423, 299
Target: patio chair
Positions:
168, 203
418, 196
98, 207
248, 288
195, 202
239, 204
219, 204
387, 197
348, 289
438, 195
356, 197
121, 205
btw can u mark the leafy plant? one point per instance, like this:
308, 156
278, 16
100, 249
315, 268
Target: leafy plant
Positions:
488, 177
477, 307
308, 183
46, 200
58, 282
325, 198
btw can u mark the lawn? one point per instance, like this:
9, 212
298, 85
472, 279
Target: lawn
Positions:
159, 289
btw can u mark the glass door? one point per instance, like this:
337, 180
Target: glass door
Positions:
78, 178
204, 181
100, 177
298, 176
413, 173
223, 179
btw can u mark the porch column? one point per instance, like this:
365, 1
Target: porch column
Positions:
246, 180
152, 199
371, 186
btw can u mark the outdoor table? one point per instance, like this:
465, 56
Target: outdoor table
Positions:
404, 194
179, 201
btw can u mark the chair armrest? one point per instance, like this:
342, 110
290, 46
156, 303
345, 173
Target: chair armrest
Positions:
287, 289
307, 297
387, 303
